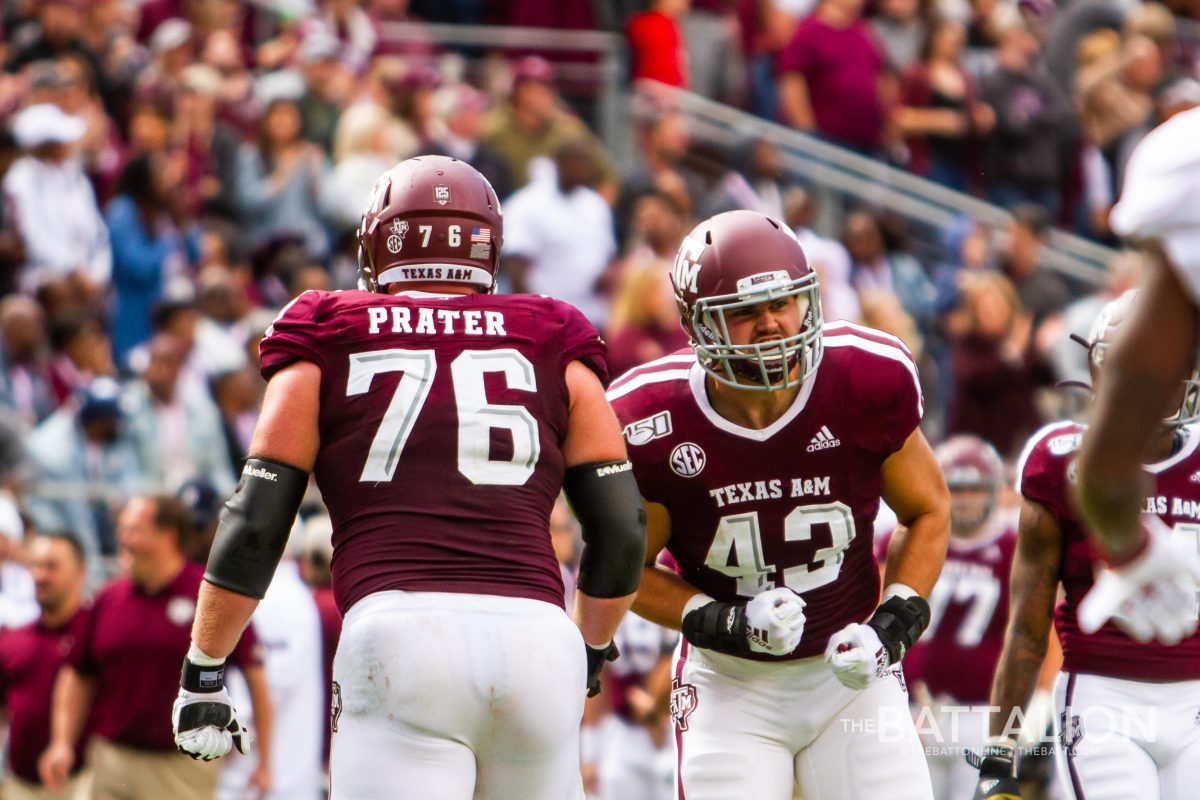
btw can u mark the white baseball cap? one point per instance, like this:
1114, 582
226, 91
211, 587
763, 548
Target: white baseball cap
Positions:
46, 123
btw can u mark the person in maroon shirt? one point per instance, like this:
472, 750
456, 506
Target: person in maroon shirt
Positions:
121, 674
441, 422
832, 80
762, 455
29, 661
1110, 681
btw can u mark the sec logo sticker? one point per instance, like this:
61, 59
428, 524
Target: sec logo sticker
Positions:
687, 460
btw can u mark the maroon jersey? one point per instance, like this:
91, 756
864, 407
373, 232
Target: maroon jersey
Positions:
133, 644
30, 657
790, 505
1047, 474
441, 424
958, 653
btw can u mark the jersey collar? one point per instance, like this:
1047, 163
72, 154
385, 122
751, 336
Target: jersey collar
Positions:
696, 375
1190, 443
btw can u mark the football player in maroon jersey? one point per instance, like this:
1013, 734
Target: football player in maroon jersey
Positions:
1149, 587
1127, 707
762, 455
950, 669
441, 422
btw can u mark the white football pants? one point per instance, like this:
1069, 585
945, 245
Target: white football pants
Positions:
1124, 739
752, 730
457, 697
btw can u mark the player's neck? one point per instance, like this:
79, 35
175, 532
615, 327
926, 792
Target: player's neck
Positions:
432, 287
747, 408
59, 615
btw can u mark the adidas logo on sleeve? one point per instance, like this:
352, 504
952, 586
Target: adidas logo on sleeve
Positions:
824, 440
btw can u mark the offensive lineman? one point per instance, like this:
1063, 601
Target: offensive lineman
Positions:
441, 422
1151, 586
1127, 709
762, 457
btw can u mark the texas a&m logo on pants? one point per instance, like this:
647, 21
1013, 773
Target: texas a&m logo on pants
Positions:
683, 702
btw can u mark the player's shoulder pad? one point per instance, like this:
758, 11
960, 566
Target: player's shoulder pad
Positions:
580, 339
665, 370
305, 307
884, 366
642, 397
1046, 456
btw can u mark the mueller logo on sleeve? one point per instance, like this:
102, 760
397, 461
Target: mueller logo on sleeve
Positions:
613, 469
259, 472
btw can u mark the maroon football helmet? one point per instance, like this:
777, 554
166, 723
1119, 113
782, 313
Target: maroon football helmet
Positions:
430, 218
738, 259
969, 462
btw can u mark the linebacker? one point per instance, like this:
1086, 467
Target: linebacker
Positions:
762, 455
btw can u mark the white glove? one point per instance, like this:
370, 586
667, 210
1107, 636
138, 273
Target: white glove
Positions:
775, 621
857, 657
1152, 597
206, 725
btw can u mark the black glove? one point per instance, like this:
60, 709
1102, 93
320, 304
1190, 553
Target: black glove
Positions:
596, 658
718, 626
770, 623
204, 721
997, 780
900, 621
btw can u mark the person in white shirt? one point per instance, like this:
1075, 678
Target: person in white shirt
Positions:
558, 233
177, 430
53, 205
289, 628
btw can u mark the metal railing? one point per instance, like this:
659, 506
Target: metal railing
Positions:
867, 180
818, 162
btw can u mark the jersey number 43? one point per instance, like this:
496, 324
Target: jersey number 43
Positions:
737, 549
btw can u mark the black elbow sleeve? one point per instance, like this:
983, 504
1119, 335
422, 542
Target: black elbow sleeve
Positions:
254, 527
607, 503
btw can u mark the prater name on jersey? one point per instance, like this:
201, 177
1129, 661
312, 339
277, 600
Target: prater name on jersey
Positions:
435, 320
769, 490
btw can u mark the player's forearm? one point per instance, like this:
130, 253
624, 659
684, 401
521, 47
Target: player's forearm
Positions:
599, 617
1016, 677
917, 562
221, 616
1154, 352
72, 699
1111, 481
662, 596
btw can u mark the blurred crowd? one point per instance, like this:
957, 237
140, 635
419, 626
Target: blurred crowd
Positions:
175, 171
